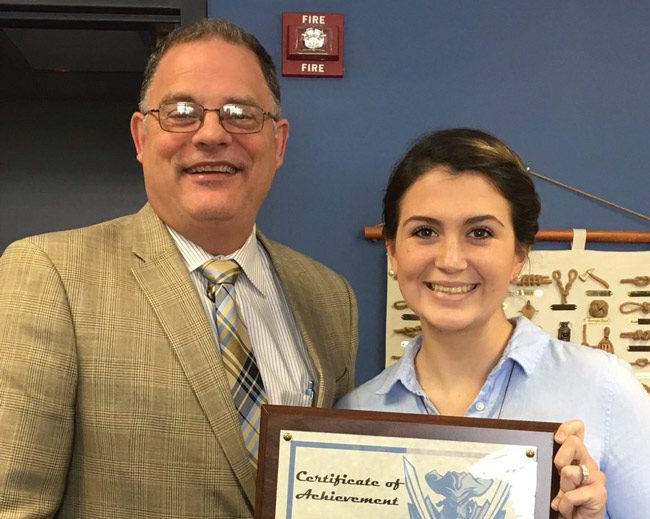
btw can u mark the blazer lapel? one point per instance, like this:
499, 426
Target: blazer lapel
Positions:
161, 273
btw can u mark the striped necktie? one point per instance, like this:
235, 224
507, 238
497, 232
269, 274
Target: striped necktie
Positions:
242, 371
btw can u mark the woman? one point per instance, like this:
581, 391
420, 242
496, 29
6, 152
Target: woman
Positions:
460, 216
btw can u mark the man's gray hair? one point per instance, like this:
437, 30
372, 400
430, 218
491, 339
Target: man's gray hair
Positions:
207, 29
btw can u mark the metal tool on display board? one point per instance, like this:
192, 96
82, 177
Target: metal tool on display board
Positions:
590, 274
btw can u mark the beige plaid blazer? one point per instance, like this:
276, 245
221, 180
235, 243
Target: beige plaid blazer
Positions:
114, 402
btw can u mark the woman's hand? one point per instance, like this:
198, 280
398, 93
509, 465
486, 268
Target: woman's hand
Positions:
582, 492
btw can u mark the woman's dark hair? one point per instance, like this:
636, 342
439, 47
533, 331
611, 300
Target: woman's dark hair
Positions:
207, 29
464, 149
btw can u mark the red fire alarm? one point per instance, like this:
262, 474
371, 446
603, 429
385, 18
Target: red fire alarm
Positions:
312, 44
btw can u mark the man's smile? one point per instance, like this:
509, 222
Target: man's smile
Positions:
212, 168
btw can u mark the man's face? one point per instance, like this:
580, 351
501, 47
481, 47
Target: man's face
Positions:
205, 179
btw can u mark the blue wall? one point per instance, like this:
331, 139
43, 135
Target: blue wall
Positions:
565, 83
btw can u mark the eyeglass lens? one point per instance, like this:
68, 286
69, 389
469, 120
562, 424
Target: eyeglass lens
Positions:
187, 117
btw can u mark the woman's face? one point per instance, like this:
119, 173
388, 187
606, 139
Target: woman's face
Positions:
455, 251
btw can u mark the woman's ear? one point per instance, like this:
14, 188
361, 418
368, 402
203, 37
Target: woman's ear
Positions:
521, 257
390, 251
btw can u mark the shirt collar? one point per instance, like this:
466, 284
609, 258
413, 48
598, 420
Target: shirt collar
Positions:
522, 348
249, 257
404, 370
524, 344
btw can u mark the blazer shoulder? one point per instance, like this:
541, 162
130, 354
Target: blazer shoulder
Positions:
83, 237
309, 283
142, 233
284, 257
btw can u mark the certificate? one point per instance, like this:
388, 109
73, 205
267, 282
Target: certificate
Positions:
333, 463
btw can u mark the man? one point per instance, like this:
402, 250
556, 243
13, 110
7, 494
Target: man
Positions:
115, 400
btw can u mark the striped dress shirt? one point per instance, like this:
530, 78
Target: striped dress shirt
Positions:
280, 353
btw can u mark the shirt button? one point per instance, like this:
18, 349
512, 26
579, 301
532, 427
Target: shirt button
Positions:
480, 406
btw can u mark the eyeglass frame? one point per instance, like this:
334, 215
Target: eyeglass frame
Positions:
265, 116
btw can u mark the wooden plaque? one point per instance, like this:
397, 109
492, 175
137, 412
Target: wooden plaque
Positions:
335, 463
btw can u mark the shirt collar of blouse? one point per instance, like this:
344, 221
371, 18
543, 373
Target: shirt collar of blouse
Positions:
521, 348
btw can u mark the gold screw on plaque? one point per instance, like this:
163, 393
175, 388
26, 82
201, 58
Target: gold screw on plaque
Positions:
530, 453
287, 436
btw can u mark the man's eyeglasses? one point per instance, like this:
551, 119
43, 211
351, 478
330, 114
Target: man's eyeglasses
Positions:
187, 117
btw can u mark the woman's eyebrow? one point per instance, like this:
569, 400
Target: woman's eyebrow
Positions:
469, 221
422, 219
483, 218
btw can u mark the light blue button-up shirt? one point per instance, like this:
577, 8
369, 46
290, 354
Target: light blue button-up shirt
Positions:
540, 378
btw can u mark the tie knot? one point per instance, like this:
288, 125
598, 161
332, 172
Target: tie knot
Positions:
220, 272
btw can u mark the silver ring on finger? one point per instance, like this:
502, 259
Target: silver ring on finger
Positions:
584, 474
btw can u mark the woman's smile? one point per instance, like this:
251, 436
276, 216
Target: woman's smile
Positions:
454, 289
